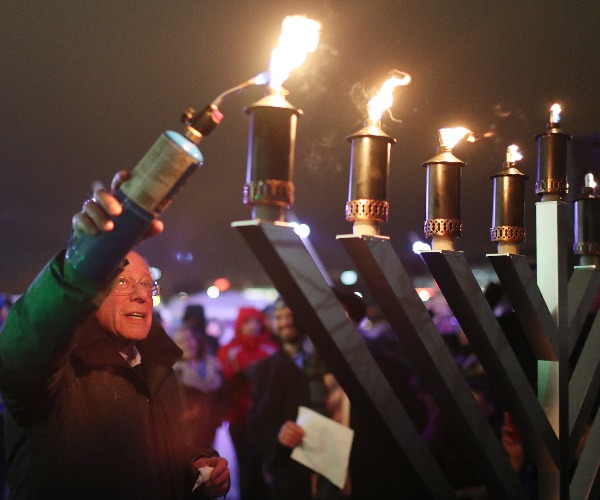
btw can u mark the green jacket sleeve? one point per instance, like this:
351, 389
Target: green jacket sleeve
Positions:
43, 320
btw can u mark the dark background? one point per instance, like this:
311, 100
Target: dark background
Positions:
87, 86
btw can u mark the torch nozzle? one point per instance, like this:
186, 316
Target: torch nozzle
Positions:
201, 123
259, 79
205, 121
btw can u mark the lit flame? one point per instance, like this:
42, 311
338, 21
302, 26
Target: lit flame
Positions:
513, 154
298, 37
384, 98
590, 181
555, 113
474, 138
449, 137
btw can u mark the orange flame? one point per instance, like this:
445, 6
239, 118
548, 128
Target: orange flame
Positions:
513, 154
449, 137
384, 98
555, 113
589, 180
298, 37
472, 137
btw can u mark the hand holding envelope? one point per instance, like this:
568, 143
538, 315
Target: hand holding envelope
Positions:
325, 447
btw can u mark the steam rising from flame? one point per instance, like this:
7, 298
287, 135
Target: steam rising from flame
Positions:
555, 113
384, 98
513, 154
298, 37
449, 137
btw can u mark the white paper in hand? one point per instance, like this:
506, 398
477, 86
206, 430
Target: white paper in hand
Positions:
326, 446
203, 477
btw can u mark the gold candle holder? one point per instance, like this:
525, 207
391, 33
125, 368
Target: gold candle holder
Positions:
551, 184
367, 205
508, 213
587, 224
269, 187
442, 213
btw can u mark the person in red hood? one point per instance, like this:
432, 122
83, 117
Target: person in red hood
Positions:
251, 343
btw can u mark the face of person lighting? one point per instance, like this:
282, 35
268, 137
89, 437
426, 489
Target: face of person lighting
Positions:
128, 313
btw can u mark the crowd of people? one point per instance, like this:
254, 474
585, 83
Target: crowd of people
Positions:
102, 402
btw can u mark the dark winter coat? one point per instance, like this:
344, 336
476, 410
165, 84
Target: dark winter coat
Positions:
279, 388
81, 423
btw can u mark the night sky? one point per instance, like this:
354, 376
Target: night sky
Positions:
87, 86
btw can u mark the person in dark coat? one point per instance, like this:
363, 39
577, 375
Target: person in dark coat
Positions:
91, 398
290, 378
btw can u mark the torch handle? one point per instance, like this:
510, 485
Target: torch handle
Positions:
154, 182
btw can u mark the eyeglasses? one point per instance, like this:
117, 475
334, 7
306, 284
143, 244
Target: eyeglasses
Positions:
125, 286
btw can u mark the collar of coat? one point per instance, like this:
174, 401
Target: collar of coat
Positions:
97, 347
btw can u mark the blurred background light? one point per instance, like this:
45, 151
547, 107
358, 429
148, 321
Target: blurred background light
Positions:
348, 277
420, 246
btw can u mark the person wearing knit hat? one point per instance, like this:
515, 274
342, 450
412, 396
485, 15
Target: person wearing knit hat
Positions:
250, 344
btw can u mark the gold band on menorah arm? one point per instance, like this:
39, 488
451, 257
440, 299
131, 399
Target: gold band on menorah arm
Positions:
269, 192
589, 248
510, 234
443, 227
367, 210
551, 186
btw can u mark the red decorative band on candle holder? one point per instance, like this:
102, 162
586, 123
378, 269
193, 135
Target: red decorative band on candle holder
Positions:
510, 234
551, 186
367, 210
443, 227
269, 192
589, 248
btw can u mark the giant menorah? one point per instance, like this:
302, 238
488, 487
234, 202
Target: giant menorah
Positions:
551, 305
